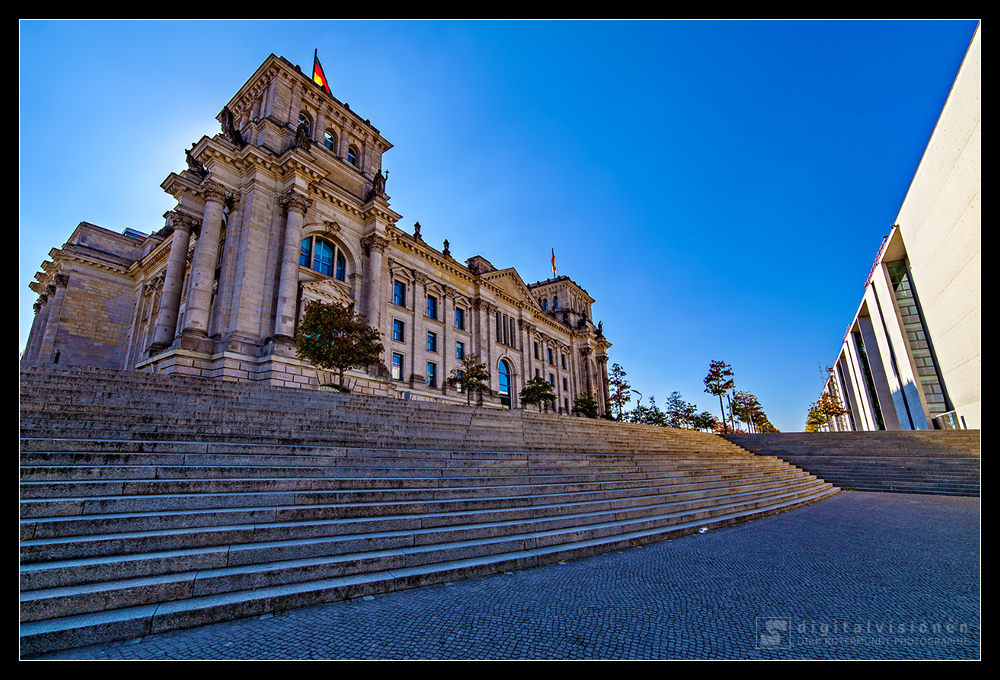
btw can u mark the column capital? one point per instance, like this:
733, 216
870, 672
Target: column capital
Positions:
376, 242
215, 192
293, 201
183, 221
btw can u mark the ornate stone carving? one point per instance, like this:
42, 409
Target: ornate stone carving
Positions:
416, 231
378, 186
293, 200
195, 166
183, 221
302, 140
215, 191
229, 127
374, 241
61, 280
446, 252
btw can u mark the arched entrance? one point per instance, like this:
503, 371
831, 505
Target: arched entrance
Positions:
503, 372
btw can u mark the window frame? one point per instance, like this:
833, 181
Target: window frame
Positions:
317, 263
399, 293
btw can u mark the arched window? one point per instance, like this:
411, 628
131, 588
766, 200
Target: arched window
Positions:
324, 257
352, 156
555, 304
329, 141
503, 372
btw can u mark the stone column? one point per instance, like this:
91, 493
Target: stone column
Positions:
374, 245
173, 282
57, 293
605, 382
206, 254
295, 205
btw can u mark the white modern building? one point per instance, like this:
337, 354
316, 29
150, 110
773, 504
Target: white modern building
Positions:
911, 358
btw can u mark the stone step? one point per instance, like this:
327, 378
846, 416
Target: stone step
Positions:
138, 621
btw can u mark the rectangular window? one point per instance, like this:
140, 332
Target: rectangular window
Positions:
432, 380
432, 342
537, 373
552, 380
459, 350
399, 293
563, 356
565, 385
565, 404
397, 366
432, 307
550, 355
460, 318
398, 330
536, 350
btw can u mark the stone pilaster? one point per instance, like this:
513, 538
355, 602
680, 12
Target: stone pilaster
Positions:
419, 369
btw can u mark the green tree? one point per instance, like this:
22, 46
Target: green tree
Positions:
585, 405
334, 337
536, 391
679, 413
620, 389
718, 382
471, 376
705, 421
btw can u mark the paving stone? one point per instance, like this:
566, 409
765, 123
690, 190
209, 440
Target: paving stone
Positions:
857, 576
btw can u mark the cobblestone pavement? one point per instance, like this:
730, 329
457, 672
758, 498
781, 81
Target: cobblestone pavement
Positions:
858, 576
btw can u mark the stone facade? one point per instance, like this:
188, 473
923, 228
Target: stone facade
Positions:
288, 204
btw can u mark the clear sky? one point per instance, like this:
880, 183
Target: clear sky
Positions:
720, 188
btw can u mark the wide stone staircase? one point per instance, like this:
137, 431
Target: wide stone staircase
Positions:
150, 503
940, 462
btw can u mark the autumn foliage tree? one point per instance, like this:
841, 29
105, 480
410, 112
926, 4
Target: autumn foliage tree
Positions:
334, 337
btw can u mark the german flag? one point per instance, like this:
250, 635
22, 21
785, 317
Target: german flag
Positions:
318, 76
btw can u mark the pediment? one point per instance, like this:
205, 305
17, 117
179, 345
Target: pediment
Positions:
510, 282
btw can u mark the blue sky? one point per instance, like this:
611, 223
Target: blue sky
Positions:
720, 188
